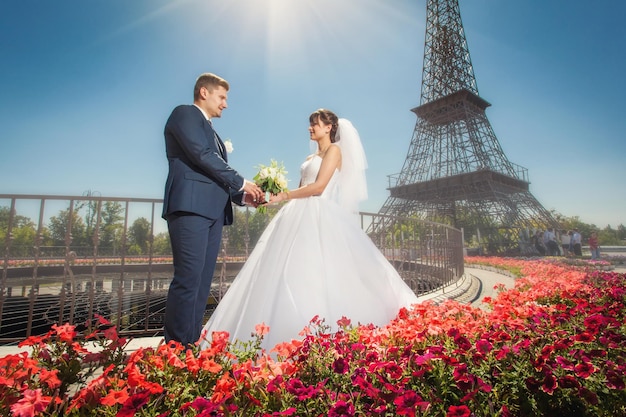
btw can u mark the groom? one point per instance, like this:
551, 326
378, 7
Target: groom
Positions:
199, 190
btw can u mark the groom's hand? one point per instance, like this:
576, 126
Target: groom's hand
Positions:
249, 200
254, 194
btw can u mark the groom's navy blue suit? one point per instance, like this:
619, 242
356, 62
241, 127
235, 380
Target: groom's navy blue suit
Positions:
198, 194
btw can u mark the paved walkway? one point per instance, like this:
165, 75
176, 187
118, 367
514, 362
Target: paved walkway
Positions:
476, 284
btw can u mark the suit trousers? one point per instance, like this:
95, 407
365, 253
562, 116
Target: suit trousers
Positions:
195, 245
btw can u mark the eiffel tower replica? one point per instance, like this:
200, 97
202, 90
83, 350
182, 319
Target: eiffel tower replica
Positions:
455, 171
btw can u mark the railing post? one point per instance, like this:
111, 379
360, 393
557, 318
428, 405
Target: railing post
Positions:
7, 249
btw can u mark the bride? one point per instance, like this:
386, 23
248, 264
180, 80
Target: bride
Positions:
313, 259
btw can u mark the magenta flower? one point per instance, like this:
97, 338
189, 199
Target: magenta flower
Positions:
462, 342
596, 321
341, 366
407, 403
204, 406
458, 411
274, 384
504, 412
341, 409
301, 391
423, 359
588, 395
393, 370
549, 384
614, 380
484, 346
568, 381
584, 370
584, 337
366, 387
532, 383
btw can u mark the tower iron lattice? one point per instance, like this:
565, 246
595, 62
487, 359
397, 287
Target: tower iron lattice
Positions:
455, 171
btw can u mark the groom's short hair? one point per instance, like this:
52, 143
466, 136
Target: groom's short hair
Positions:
210, 82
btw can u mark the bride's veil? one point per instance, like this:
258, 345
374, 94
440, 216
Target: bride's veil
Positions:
353, 184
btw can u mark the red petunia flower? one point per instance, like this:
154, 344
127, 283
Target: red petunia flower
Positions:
344, 322
341, 366
115, 397
262, 329
584, 337
31, 403
549, 384
66, 332
614, 380
133, 404
568, 381
584, 370
458, 411
484, 346
50, 378
408, 403
588, 395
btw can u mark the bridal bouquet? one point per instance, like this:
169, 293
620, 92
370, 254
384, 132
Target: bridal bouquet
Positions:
272, 179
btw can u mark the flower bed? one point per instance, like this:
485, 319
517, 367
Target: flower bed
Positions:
552, 346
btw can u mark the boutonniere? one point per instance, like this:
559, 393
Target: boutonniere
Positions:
228, 145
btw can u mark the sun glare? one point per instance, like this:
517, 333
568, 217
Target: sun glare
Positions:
286, 39
317, 28
286, 29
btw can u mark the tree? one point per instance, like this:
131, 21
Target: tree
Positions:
161, 244
609, 237
139, 236
248, 224
23, 232
59, 227
111, 227
90, 209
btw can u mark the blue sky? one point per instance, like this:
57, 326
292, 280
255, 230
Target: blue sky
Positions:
86, 87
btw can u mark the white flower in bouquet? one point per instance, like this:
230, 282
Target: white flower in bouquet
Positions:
264, 173
272, 179
281, 181
228, 145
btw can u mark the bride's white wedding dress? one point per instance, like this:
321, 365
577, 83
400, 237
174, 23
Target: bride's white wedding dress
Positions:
313, 259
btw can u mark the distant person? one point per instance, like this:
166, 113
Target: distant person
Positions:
197, 204
549, 241
538, 243
566, 237
594, 246
576, 243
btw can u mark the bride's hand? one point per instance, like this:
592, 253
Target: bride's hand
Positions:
277, 198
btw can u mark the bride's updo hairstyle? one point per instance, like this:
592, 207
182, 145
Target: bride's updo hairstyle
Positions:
328, 118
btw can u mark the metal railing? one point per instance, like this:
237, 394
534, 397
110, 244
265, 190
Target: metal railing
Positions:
85, 256
427, 255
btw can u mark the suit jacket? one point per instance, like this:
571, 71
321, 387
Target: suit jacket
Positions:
200, 180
